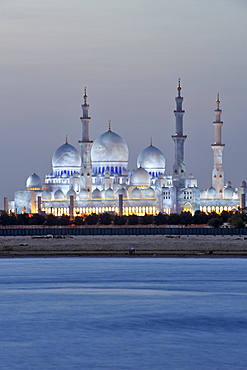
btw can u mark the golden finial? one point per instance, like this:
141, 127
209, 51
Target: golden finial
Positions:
218, 99
151, 141
179, 86
66, 140
109, 126
85, 96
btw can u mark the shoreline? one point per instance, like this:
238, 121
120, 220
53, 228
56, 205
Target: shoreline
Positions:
118, 246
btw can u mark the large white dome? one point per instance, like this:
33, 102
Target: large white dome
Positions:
66, 156
136, 193
58, 195
109, 152
140, 178
152, 160
149, 193
46, 195
211, 192
70, 193
83, 194
96, 194
109, 194
33, 182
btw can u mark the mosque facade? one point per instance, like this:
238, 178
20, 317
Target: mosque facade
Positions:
96, 178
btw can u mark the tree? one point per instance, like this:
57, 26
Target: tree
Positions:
92, 219
225, 215
36, 219
213, 215
50, 220
147, 219
161, 219
23, 219
79, 220
13, 219
200, 218
63, 220
237, 220
174, 219
186, 218
105, 218
5, 219
215, 222
133, 220
120, 220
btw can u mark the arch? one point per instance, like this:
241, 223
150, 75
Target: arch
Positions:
188, 207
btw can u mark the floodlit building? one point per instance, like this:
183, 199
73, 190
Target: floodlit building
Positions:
96, 178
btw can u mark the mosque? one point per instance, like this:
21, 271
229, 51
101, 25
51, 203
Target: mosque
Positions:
96, 179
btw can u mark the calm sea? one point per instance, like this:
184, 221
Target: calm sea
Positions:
123, 313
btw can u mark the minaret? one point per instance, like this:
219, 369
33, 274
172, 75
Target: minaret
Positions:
218, 173
179, 172
86, 144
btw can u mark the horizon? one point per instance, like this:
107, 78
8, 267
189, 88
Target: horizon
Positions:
130, 57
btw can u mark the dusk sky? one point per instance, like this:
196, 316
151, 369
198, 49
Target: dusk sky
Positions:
130, 55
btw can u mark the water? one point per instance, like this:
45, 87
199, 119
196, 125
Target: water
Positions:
126, 313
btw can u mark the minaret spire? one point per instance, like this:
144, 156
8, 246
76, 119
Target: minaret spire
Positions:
109, 126
85, 96
179, 171
218, 173
85, 119
179, 139
85, 143
179, 88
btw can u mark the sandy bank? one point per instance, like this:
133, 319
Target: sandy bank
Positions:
161, 246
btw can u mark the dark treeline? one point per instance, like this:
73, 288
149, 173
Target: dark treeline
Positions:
185, 218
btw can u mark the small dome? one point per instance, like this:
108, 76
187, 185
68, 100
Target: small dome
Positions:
110, 148
136, 193
243, 184
228, 184
203, 194
140, 177
83, 194
152, 160
58, 195
149, 193
228, 191
96, 194
109, 194
70, 193
66, 156
46, 195
211, 192
33, 181
122, 192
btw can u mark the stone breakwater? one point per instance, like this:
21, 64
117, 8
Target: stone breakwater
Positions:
118, 246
